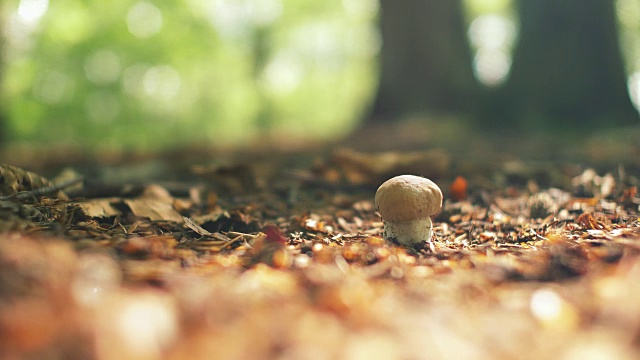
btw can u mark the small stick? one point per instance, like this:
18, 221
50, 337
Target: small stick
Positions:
30, 194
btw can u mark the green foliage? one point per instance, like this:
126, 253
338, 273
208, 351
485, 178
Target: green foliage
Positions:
479, 7
628, 12
158, 73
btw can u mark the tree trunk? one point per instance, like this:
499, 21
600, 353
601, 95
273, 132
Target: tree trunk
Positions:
3, 123
425, 60
567, 70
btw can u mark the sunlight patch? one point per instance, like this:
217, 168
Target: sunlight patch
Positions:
31, 11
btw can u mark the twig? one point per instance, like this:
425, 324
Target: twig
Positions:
31, 194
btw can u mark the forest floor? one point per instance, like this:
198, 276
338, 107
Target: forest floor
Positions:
272, 253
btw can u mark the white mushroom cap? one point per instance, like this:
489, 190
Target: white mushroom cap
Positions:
407, 198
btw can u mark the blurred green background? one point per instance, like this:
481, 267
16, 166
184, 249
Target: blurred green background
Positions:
158, 73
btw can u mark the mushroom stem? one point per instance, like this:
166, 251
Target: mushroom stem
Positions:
408, 233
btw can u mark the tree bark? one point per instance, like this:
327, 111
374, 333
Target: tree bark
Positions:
3, 121
568, 72
425, 59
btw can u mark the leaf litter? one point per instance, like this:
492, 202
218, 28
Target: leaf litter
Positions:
292, 265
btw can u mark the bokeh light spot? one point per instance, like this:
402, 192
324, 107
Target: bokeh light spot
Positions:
320, 43
229, 18
143, 325
492, 36
103, 67
546, 304
132, 79
161, 82
491, 66
144, 20
283, 73
31, 11
492, 31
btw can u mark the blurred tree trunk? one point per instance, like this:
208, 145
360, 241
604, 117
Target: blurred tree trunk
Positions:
425, 60
3, 121
568, 72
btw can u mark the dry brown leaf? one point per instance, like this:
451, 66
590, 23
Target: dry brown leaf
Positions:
14, 179
100, 208
153, 209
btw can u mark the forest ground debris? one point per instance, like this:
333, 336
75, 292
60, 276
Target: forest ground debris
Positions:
255, 275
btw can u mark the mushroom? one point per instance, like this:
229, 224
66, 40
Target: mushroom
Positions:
405, 204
